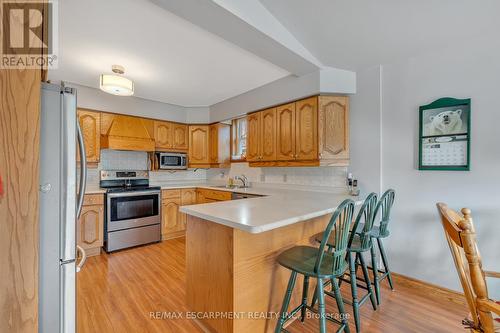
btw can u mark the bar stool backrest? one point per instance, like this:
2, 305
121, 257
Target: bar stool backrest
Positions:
366, 212
384, 207
339, 224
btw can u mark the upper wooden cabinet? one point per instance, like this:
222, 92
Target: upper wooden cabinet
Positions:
180, 136
209, 145
164, 135
199, 146
90, 124
306, 129
261, 144
333, 136
171, 136
285, 132
309, 132
253, 137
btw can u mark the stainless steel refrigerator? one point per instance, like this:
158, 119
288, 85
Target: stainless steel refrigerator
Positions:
60, 205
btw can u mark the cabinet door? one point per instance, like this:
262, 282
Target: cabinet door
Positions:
268, 135
180, 136
285, 132
253, 136
90, 227
170, 216
163, 135
188, 197
90, 124
306, 129
214, 143
333, 126
198, 144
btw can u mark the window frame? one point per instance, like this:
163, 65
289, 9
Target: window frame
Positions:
234, 140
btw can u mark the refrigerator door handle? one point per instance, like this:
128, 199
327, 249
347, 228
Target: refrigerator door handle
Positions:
82, 260
83, 170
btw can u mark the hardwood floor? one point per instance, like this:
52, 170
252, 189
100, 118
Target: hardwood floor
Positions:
131, 290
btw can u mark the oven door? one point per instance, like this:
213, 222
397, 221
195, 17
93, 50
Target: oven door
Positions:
172, 161
132, 209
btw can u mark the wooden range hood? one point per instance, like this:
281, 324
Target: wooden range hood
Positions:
127, 133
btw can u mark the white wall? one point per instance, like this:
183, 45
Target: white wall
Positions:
96, 99
417, 246
327, 80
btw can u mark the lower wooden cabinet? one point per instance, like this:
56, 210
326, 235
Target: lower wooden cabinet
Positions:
208, 195
173, 222
90, 226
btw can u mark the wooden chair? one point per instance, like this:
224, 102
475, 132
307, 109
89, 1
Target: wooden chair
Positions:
461, 237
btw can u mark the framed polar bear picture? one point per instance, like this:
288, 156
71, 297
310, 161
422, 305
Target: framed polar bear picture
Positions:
444, 140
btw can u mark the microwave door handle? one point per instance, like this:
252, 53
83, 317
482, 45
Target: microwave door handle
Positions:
83, 170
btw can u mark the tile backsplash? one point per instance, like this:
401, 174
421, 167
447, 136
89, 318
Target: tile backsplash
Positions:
312, 176
133, 160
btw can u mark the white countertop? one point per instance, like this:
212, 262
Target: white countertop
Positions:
278, 207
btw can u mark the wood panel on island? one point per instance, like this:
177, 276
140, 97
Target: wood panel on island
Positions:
309, 132
89, 230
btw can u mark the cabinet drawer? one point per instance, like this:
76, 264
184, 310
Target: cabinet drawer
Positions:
93, 199
170, 194
215, 195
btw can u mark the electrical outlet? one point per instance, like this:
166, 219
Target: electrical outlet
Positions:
262, 178
285, 178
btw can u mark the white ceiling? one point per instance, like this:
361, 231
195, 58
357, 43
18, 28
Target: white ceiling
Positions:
169, 59
356, 34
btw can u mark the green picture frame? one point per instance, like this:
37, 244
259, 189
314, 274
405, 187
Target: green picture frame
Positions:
444, 135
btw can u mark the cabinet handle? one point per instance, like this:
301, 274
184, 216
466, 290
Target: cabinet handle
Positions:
320, 155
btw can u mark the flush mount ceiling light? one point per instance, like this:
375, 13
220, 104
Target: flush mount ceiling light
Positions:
115, 83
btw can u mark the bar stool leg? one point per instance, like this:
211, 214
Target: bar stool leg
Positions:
384, 260
305, 289
376, 280
367, 279
286, 302
354, 290
321, 306
340, 305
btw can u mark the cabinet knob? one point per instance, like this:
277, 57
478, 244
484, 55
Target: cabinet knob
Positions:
320, 155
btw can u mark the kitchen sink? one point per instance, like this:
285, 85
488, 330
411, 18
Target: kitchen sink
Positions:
232, 186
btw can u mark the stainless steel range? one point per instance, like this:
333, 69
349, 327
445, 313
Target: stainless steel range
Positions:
132, 209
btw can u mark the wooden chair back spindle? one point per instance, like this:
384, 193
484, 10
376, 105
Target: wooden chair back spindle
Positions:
461, 238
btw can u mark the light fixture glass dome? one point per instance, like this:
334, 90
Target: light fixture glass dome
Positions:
116, 84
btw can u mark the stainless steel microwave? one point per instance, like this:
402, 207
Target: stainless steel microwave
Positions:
172, 161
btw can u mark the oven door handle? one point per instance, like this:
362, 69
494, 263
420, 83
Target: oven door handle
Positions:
132, 194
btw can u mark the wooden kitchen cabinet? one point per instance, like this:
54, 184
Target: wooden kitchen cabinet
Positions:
261, 144
163, 134
188, 197
209, 195
253, 137
171, 136
268, 135
180, 136
171, 223
285, 132
333, 130
90, 225
220, 146
306, 129
199, 151
308, 132
90, 124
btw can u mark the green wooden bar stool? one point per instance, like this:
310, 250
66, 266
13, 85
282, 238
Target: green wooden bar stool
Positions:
359, 243
319, 264
379, 232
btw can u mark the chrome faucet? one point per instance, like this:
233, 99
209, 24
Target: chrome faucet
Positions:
243, 179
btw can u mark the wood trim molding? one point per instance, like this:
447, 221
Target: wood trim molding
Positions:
429, 289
